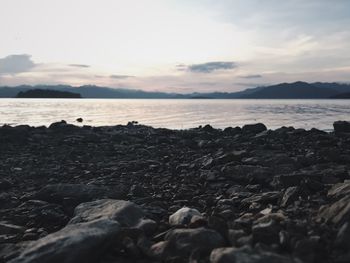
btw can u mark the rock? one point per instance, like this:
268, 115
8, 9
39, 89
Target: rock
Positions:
341, 126
137, 191
180, 243
79, 120
290, 195
78, 193
5, 185
267, 233
84, 242
246, 255
254, 128
183, 216
126, 213
235, 235
338, 212
339, 190
6, 228
264, 198
310, 250
343, 237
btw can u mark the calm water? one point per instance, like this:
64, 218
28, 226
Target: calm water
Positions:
178, 114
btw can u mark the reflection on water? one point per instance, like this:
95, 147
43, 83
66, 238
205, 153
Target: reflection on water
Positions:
178, 114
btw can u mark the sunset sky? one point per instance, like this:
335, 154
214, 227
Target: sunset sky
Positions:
174, 45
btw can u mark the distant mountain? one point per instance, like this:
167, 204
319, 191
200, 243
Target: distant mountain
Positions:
345, 95
296, 90
46, 93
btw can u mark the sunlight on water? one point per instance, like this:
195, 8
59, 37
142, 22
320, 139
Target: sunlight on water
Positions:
178, 114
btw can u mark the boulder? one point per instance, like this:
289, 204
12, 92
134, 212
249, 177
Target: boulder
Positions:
77, 193
126, 213
84, 242
183, 216
254, 128
341, 126
246, 255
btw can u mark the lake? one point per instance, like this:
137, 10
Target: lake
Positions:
176, 114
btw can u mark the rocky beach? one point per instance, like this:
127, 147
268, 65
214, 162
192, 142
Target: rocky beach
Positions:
134, 193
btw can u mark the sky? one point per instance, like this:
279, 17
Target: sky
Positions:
174, 45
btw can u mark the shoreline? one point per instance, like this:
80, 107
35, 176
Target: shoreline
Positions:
278, 194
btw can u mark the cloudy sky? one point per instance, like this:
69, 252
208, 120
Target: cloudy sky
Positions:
174, 45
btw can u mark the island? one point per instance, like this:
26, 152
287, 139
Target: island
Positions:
46, 93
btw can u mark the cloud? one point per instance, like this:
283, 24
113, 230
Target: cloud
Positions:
79, 65
211, 66
253, 76
14, 64
120, 76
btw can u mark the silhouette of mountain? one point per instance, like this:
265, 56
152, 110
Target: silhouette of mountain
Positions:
46, 93
345, 95
296, 90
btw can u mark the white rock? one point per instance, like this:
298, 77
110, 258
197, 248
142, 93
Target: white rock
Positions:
183, 216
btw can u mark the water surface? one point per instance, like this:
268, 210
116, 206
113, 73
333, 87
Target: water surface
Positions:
177, 114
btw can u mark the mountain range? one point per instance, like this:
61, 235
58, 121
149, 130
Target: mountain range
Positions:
296, 90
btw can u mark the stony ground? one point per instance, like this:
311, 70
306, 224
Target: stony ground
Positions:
201, 195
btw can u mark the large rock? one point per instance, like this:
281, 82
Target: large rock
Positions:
78, 193
254, 128
338, 212
180, 243
126, 213
246, 255
183, 216
84, 242
341, 126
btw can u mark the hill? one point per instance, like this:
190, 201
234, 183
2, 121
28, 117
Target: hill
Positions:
46, 93
296, 90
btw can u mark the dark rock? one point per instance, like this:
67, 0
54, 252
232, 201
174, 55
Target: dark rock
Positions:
254, 128
6, 228
267, 233
343, 237
180, 243
79, 120
5, 185
310, 250
84, 242
341, 126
